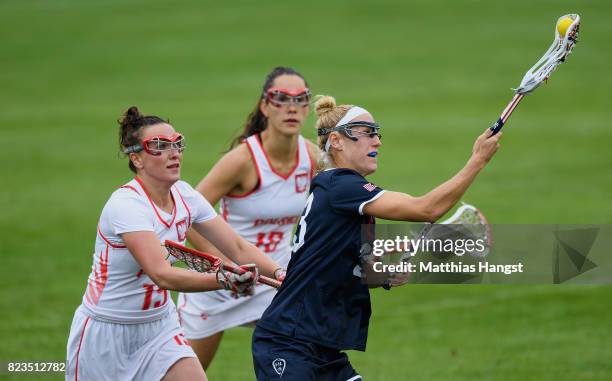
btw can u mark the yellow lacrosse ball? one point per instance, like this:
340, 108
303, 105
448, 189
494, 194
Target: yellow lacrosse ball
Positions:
563, 24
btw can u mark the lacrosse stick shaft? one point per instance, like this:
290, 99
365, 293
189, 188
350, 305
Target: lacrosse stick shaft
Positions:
506, 114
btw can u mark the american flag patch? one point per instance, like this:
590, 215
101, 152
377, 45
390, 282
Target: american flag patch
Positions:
369, 187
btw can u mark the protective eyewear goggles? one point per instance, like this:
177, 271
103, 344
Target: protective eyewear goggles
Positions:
347, 130
281, 97
157, 144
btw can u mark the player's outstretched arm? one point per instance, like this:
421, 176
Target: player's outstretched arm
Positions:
151, 256
236, 248
433, 205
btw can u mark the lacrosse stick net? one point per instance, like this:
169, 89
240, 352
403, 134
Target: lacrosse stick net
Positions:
466, 223
207, 263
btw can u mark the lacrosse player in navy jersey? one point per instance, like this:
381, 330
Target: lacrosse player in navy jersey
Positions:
323, 307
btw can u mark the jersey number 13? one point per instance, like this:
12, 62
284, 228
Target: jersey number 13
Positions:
300, 233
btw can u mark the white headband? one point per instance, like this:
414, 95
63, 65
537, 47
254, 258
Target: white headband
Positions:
351, 114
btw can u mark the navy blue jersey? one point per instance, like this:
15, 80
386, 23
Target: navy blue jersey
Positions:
323, 299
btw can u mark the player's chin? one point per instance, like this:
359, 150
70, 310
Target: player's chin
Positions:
173, 174
371, 168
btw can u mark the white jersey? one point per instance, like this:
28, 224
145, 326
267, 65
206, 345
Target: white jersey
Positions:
117, 289
266, 215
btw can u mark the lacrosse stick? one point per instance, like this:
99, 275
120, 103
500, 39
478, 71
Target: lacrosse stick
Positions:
566, 36
468, 222
204, 262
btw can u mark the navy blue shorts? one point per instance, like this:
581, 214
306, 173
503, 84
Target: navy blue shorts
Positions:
278, 357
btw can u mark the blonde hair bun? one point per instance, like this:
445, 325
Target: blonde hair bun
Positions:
324, 104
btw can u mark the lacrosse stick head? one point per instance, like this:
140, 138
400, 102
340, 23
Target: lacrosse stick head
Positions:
466, 222
195, 260
557, 53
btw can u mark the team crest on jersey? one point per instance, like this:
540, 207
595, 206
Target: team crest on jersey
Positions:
181, 229
301, 182
279, 366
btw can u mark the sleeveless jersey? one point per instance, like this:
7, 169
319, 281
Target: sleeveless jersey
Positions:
266, 215
117, 289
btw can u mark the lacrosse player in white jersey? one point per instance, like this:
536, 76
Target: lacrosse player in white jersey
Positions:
262, 185
126, 327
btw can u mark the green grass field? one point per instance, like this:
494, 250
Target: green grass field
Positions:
434, 73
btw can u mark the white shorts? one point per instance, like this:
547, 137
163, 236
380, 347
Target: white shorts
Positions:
99, 350
203, 314
206, 313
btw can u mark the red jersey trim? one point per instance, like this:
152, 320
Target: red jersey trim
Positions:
94, 291
168, 225
89, 289
224, 209
186, 207
130, 187
113, 245
312, 167
297, 161
258, 186
76, 371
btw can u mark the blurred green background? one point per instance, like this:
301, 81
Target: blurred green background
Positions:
435, 74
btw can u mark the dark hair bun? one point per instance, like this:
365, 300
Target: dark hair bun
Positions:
131, 117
